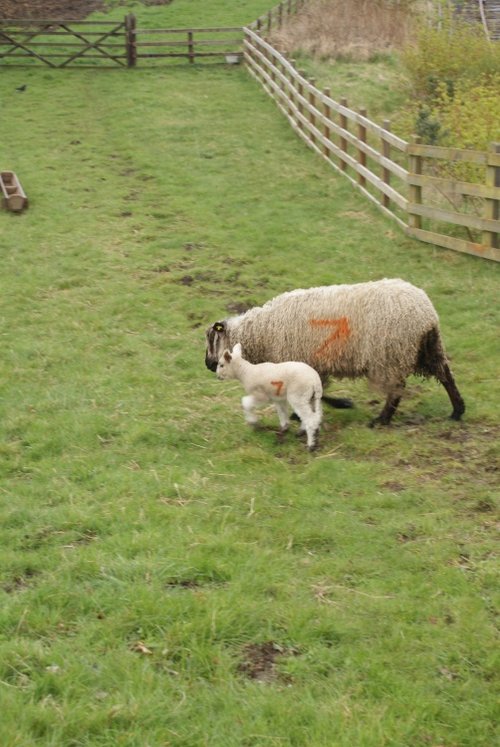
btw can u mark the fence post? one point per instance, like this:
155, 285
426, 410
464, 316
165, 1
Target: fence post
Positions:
280, 15
131, 40
386, 152
492, 206
343, 141
269, 21
312, 103
190, 47
326, 130
361, 153
415, 192
300, 92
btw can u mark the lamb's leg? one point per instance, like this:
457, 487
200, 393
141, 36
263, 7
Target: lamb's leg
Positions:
447, 380
310, 421
282, 411
249, 404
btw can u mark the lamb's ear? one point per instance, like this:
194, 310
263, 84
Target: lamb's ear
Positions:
237, 349
227, 356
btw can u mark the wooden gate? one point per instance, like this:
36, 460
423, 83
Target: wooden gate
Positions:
58, 43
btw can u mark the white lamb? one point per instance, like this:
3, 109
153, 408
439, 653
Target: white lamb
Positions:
292, 382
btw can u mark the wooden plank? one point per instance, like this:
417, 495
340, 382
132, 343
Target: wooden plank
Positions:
458, 245
449, 154
65, 45
67, 33
183, 42
51, 22
159, 55
220, 30
492, 206
449, 216
452, 187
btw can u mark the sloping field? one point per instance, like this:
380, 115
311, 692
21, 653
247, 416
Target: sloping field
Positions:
168, 577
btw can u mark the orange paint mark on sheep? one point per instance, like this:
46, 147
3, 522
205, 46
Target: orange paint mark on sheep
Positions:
279, 386
341, 332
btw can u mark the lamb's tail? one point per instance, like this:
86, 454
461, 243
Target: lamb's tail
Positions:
315, 400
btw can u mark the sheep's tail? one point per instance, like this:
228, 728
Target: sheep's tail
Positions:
431, 358
340, 403
431, 361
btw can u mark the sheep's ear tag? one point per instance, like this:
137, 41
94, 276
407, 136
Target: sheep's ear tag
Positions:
218, 326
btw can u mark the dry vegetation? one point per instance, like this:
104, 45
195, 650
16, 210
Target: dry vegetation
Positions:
359, 30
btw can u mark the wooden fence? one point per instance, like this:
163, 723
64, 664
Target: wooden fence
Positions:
58, 43
217, 44
401, 178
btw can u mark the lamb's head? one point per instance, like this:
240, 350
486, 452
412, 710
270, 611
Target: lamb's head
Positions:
226, 365
217, 341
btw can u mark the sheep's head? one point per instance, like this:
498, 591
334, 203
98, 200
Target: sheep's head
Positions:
217, 341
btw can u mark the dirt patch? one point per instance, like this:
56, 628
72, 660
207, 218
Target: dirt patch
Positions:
19, 581
239, 307
67, 9
259, 660
74, 10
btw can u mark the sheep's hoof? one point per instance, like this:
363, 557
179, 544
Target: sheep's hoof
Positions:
378, 421
313, 447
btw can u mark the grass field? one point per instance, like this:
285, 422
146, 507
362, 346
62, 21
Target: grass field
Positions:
167, 576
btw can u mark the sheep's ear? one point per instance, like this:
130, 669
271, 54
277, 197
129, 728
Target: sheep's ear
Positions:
237, 349
227, 356
219, 326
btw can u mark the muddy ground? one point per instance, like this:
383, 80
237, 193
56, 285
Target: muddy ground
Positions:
60, 9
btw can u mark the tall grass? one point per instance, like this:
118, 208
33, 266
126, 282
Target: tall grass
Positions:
358, 30
166, 575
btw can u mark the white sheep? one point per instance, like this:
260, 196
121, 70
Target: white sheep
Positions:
383, 330
293, 383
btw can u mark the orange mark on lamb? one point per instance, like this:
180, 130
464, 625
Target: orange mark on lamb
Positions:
279, 386
341, 331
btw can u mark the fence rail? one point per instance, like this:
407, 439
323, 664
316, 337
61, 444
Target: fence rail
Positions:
401, 178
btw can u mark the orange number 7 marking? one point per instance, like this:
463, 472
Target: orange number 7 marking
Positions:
279, 386
341, 331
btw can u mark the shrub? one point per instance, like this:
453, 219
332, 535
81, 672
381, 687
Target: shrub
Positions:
444, 57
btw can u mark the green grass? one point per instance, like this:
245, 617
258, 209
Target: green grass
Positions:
147, 536
380, 86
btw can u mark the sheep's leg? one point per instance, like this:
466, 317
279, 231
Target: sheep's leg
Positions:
390, 407
447, 380
249, 404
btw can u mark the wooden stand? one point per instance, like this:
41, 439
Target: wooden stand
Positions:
13, 197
